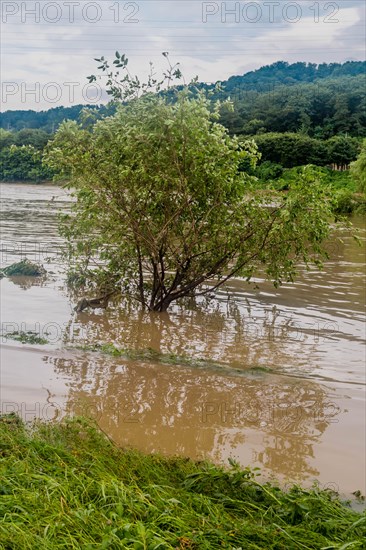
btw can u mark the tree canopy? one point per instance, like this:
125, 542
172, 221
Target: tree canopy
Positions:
358, 169
162, 210
23, 163
296, 149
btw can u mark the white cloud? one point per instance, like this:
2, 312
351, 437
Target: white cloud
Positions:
309, 34
63, 51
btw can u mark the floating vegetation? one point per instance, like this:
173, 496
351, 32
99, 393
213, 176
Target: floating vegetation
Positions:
260, 368
150, 354
24, 268
28, 337
66, 485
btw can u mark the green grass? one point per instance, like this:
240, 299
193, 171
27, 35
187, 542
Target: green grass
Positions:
341, 185
28, 337
67, 486
334, 179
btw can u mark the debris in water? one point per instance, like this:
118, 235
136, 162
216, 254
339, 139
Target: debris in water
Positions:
25, 268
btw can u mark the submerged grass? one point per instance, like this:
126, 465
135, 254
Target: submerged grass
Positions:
67, 486
150, 354
28, 337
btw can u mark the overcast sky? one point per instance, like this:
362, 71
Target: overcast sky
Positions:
48, 46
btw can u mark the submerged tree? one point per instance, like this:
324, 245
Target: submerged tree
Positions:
162, 210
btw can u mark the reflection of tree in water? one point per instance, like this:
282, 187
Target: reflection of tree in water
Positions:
232, 332
193, 412
286, 455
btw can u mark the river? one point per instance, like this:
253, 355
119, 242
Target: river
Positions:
281, 384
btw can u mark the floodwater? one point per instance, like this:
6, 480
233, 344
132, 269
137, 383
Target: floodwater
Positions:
281, 384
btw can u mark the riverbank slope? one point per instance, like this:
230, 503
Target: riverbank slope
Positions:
65, 485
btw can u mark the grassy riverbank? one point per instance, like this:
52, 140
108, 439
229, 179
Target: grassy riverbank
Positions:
67, 486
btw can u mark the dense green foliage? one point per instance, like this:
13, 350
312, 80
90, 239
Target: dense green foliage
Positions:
299, 114
295, 149
21, 151
36, 138
320, 100
21, 155
320, 109
282, 72
23, 163
67, 486
341, 185
358, 169
162, 208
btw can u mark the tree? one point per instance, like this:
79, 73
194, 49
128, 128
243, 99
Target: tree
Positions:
162, 210
268, 170
22, 164
6, 139
291, 149
36, 138
358, 169
342, 150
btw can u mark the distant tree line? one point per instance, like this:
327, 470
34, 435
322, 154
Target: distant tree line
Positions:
319, 100
321, 110
299, 113
49, 120
35, 138
284, 73
290, 149
21, 155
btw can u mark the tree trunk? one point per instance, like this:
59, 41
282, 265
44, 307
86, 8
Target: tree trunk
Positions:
163, 304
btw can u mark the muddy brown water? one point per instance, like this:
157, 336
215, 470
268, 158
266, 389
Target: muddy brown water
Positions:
281, 384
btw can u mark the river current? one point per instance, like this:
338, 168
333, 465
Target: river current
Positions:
281, 384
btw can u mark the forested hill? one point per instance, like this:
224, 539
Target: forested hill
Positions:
47, 121
318, 100
283, 73
320, 109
